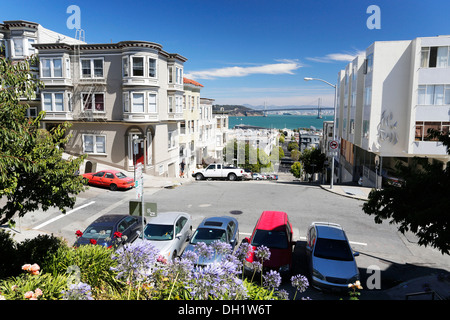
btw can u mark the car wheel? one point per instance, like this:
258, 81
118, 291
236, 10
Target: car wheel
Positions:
232, 177
198, 176
113, 187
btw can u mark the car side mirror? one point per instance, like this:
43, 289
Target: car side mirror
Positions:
178, 235
246, 240
356, 254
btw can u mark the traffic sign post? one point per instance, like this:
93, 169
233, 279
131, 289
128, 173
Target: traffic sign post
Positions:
333, 145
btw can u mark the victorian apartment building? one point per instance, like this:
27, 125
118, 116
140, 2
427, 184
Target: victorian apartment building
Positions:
387, 99
126, 101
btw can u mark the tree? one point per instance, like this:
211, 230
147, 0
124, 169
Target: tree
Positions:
421, 204
297, 169
313, 160
292, 145
33, 173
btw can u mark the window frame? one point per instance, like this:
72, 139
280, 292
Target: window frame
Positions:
51, 68
94, 143
53, 101
92, 101
92, 68
132, 110
133, 66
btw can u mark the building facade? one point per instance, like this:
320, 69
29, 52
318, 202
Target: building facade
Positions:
124, 101
386, 102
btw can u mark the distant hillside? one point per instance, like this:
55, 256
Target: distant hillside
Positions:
236, 110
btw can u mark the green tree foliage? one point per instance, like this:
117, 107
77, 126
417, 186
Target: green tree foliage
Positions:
292, 145
421, 204
313, 160
297, 169
33, 173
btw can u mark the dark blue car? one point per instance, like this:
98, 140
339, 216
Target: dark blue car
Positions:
224, 229
111, 230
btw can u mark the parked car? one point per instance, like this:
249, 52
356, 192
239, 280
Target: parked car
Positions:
218, 171
110, 230
257, 176
225, 229
112, 179
247, 174
274, 231
330, 257
168, 232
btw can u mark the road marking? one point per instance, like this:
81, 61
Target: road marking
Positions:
62, 215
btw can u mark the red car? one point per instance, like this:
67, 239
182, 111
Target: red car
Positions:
113, 179
274, 231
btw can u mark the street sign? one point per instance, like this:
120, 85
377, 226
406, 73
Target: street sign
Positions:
333, 145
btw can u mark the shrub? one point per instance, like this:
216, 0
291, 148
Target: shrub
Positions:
8, 255
91, 264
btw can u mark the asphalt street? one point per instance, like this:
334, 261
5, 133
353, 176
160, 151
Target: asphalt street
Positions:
381, 246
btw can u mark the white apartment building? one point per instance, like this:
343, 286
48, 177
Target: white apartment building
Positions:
386, 102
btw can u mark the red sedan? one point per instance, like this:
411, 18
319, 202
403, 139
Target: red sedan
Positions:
113, 179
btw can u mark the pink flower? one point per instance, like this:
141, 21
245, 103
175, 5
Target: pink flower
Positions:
34, 269
26, 267
38, 292
28, 294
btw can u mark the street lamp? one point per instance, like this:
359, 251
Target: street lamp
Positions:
334, 123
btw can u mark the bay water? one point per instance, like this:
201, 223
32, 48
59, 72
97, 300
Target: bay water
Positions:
281, 121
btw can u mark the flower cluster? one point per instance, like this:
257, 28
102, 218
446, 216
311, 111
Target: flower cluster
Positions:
300, 283
135, 261
33, 295
31, 268
79, 291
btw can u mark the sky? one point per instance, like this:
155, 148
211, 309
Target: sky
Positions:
252, 52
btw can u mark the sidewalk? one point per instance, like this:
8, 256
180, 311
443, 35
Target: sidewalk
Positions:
355, 192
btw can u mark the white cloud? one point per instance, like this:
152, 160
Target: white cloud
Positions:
340, 57
283, 67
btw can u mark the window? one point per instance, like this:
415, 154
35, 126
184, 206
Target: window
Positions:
435, 57
369, 64
152, 68
126, 101
18, 47
125, 66
51, 68
171, 139
137, 102
92, 68
53, 101
178, 104
170, 70
433, 95
368, 96
422, 127
170, 104
179, 76
94, 143
152, 102
31, 49
138, 66
93, 101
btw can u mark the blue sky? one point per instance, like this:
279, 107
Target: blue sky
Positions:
248, 51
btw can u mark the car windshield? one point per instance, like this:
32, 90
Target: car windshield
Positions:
333, 249
120, 175
208, 235
270, 239
158, 232
97, 232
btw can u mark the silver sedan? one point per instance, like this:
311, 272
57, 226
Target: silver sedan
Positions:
330, 256
168, 232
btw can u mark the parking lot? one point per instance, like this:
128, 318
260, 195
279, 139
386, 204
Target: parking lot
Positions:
397, 256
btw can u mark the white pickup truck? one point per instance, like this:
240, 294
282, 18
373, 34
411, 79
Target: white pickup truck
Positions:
218, 171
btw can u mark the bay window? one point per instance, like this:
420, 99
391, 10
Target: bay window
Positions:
51, 68
138, 66
152, 103
152, 68
53, 101
137, 102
